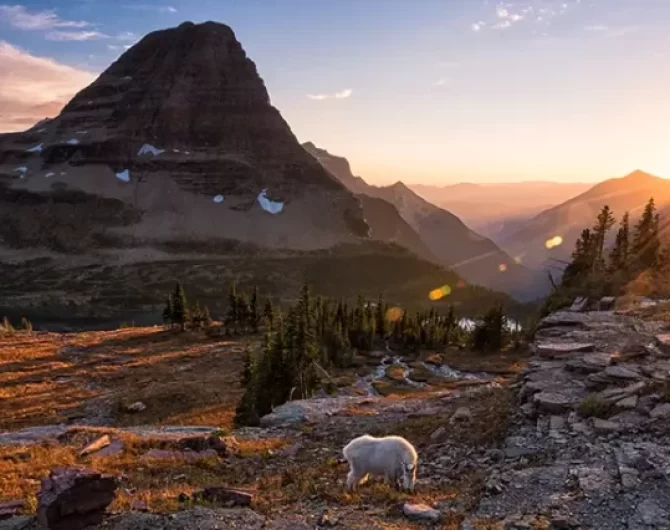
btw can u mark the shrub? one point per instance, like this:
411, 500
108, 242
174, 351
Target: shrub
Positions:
593, 406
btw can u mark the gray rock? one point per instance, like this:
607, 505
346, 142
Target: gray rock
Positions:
628, 403
612, 395
552, 349
620, 371
579, 304
138, 406
10, 508
224, 497
462, 414
438, 433
661, 411
604, 426
115, 448
607, 303
553, 402
421, 511
556, 424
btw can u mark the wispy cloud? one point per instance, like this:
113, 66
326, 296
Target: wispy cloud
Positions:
343, 94
118, 47
508, 14
443, 81
19, 17
75, 35
149, 7
34, 87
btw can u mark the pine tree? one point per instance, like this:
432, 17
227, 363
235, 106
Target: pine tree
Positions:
179, 307
168, 316
619, 256
603, 225
490, 333
269, 313
646, 243
582, 260
233, 317
244, 313
245, 412
382, 323
253, 310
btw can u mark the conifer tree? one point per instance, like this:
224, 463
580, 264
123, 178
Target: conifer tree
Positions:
646, 243
179, 307
619, 256
233, 318
603, 225
168, 315
382, 323
269, 313
254, 316
244, 313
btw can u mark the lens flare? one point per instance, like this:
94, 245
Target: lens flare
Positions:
517, 260
394, 313
502, 267
554, 242
440, 292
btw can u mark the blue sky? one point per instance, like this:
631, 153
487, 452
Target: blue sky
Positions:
433, 91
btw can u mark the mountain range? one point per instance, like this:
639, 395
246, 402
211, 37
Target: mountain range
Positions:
567, 220
498, 210
448, 240
173, 164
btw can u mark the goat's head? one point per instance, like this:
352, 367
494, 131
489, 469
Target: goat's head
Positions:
408, 476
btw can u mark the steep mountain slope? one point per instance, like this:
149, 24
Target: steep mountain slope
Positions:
174, 164
476, 258
567, 220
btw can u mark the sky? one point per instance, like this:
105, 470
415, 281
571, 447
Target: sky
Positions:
423, 91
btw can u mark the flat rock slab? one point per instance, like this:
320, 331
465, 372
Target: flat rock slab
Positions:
555, 403
32, 435
552, 349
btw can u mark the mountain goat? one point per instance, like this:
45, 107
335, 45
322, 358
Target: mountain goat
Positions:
392, 457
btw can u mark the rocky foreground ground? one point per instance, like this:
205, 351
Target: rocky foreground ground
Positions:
579, 440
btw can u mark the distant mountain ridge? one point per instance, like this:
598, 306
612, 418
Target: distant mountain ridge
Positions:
567, 220
453, 244
498, 210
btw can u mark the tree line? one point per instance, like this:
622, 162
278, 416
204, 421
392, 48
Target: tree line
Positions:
318, 334
596, 270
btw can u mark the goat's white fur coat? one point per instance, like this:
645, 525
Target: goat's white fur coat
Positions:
392, 457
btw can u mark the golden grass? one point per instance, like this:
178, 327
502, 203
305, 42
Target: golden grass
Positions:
155, 482
186, 378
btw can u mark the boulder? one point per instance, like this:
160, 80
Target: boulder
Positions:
73, 498
462, 414
628, 403
612, 395
421, 512
553, 402
607, 303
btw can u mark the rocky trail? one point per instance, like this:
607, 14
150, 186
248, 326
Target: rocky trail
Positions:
579, 440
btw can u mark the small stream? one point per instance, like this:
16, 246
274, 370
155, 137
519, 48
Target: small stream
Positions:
442, 371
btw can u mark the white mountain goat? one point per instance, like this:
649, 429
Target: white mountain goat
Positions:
392, 457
